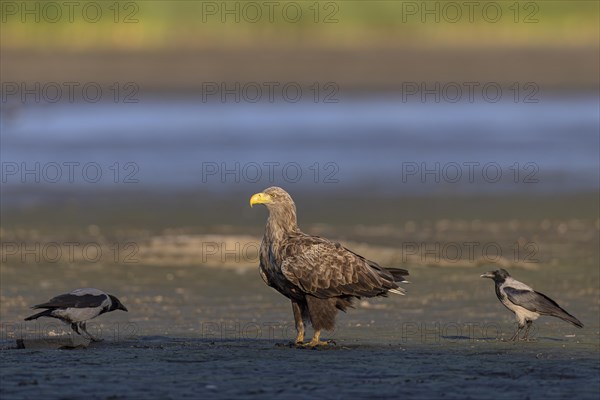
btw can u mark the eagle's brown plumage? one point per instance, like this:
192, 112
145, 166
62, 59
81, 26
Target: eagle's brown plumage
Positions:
320, 277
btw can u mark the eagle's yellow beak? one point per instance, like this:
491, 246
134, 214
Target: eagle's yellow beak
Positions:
260, 198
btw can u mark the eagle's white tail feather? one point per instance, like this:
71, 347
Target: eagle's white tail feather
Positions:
398, 291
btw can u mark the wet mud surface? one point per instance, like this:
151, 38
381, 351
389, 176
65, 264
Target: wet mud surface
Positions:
160, 367
217, 333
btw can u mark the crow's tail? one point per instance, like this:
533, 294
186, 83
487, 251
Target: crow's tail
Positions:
565, 316
45, 313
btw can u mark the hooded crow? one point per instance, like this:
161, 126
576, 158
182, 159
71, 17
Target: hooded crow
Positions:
526, 303
77, 307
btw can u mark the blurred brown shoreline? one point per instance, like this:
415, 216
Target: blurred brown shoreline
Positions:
509, 231
374, 69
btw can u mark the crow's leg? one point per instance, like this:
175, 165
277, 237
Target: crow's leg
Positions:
75, 328
94, 339
515, 337
299, 323
80, 329
526, 336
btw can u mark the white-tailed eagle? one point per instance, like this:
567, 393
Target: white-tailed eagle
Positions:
319, 276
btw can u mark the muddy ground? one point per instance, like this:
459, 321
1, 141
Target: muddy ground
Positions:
220, 332
211, 328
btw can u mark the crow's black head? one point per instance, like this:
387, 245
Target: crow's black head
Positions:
116, 304
498, 275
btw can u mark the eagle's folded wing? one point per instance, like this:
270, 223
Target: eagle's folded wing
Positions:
326, 269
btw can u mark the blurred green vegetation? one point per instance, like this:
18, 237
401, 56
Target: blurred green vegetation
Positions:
184, 24
152, 211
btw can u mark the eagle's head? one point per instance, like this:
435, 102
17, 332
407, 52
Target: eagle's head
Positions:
282, 210
498, 275
273, 198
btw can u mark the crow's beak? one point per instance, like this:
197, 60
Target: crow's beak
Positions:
122, 307
487, 275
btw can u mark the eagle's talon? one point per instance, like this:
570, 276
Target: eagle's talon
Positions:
318, 343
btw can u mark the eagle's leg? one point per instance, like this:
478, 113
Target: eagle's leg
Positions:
299, 323
515, 337
526, 336
315, 341
83, 328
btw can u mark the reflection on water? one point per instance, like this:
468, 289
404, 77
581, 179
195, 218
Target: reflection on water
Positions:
387, 144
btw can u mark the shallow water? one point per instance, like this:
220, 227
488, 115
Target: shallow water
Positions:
384, 142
